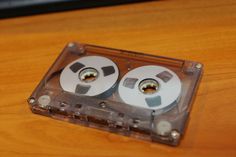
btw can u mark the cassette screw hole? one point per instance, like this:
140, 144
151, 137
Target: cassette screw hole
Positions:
175, 134
199, 66
63, 104
135, 123
31, 101
149, 86
88, 75
71, 45
78, 105
103, 104
121, 115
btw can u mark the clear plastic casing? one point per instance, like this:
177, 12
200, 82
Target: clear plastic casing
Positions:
108, 111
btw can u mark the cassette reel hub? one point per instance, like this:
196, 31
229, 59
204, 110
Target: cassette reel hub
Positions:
149, 86
88, 75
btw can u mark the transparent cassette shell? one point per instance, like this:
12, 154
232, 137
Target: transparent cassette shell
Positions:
109, 112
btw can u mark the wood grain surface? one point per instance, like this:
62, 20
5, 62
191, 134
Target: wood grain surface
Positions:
199, 30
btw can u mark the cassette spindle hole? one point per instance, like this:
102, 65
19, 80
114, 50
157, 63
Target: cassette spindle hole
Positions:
149, 86
88, 75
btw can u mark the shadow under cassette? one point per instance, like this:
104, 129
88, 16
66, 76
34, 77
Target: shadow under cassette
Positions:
128, 93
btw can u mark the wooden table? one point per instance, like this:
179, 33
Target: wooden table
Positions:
198, 30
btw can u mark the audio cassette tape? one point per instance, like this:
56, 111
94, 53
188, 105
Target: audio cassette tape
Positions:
128, 93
